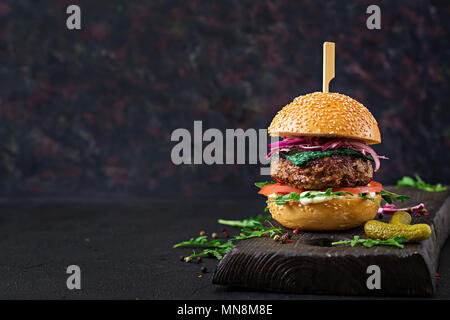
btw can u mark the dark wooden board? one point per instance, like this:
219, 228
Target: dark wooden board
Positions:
311, 265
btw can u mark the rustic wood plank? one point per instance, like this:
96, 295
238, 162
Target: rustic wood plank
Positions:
311, 265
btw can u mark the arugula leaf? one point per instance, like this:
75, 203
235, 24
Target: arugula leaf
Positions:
250, 228
294, 196
216, 252
200, 241
369, 198
257, 233
420, 184
246, 223
262, 184
390, 197
400, 239
218, 248
368, 243
282, 199
354, 241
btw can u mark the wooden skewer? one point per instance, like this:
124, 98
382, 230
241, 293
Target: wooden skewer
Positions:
328, 65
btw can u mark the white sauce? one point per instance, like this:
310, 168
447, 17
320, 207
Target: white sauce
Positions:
319, 199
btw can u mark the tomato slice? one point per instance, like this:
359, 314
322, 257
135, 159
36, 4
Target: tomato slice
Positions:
373, 186
279, 188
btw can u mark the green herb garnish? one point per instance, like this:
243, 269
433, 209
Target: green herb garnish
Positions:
420, 184
216, 248
250, 228
397, 242
390, 197
370, 199
294, 196
200, 241
251, 223
262, 184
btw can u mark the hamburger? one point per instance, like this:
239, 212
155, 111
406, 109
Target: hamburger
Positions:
323, 166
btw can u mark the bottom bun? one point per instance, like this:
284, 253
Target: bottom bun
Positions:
334, 214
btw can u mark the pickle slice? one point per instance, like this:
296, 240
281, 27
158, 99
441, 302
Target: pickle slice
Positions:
383, 231
401, 217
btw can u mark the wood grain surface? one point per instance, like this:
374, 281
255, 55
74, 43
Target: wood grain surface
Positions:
311, 265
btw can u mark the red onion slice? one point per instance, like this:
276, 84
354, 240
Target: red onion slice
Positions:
390, 208
313, 144
309, 148
287, 142
364, 147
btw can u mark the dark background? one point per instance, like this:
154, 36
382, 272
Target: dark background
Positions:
90, 112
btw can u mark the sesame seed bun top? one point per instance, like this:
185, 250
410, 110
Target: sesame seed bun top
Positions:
326, 114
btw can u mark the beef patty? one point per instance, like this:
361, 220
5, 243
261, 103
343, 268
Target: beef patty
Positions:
329, 172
